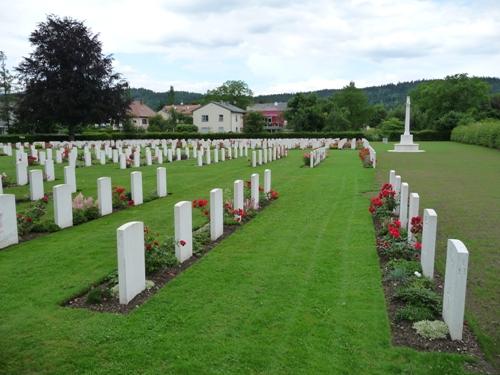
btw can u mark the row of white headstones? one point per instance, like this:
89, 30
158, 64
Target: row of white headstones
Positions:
130, 236
316, 156
264, 156
62, 198
457, 256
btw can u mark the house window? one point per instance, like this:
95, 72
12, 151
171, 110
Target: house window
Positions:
269, 120
205, 130
221, 118
236, 118
144, 121
221, 129
204, 118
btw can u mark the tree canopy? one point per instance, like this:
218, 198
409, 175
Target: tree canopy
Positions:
67, 79
253, 122
233, 92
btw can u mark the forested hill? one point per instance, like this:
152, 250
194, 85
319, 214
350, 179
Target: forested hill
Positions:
390, 95
156, 100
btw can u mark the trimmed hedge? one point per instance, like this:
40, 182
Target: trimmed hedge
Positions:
423, 135
483, 133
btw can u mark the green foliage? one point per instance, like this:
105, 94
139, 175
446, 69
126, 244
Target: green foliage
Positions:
201, 238
414, 313
391, 125
253, 123
6, 98
377, 114
185, 128
233, 92
159, 124
45, 227
354, 102
157, 100
419, 296
409, 266
98, 295
458, 93
68, 80
337, 119
304, 113
483, 133
431, 329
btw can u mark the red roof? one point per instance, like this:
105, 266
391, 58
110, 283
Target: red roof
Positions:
138, 109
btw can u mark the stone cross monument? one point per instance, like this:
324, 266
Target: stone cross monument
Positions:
406, 142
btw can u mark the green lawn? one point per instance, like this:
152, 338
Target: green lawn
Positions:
296, 290
462, 183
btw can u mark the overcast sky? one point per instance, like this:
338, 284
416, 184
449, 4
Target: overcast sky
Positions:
275, 45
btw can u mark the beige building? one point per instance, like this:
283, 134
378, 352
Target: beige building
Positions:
216, 117
140, 114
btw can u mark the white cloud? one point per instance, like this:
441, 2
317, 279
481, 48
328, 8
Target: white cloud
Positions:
275, 45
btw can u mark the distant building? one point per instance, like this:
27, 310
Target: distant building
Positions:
216, 117
140, 114
184, 109
274, 113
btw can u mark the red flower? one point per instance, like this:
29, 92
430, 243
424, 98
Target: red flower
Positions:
394, 232
377, 202
131, 202
122, 197
28, 219
182, 242
120, 189
418, 246
148, 246
397, 223
45, 198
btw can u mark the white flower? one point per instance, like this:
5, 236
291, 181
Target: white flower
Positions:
418, 274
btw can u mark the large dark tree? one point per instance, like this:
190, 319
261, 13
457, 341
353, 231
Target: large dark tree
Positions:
233, 92
67, 79
254, 122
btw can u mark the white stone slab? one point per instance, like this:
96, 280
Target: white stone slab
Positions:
238, 195
131, 261
412, 212
21, 173
428, 242
70, 177
136, 187
183, 231
104, 195
63, 210
455, 286
254, 159
216, 214
161, 181
403, 204
49, 170
36, 184
8, 220
267, 181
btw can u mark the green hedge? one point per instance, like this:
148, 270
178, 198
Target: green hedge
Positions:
423, 135
483, 133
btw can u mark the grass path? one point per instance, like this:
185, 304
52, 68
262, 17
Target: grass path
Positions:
462, 183
297, 290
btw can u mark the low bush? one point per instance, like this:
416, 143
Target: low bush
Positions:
414, 313
431, 329
483, 133
45, 227
417, 296
158, 255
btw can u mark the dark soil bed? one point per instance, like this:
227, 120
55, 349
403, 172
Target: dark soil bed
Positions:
403, 333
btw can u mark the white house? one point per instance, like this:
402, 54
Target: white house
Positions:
216, 117
140, 114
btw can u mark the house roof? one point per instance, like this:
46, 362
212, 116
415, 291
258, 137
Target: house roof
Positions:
229, 107
185, 109
138, 109
276, 106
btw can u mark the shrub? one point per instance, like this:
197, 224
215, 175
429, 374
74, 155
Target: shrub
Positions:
185, 128
121, 198
158, 256
79, 216
418, 296
409, 266
45, 227
414, 313
31, 215
431, 329
484, 133
98, 295
384, 203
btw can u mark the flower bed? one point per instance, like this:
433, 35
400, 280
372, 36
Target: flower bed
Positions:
414, 302
160, 261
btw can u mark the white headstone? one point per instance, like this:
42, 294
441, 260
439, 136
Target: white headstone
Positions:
208, 156
412, 212
87, 159
8, 220
455, 285
149, 159
397, 186
104, 195
254, 159
36, 184
70, 177
238, 195
136, 187
403, 204
223, 154
131, 261
216, 214
49, 170
159, 155
178, 154
392, 177
137, 159
63, 210
254, 190
216, 155
123, 161
428, 242
161, 182
21, 173
183, 231
267, 181
102, 158
260, 156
